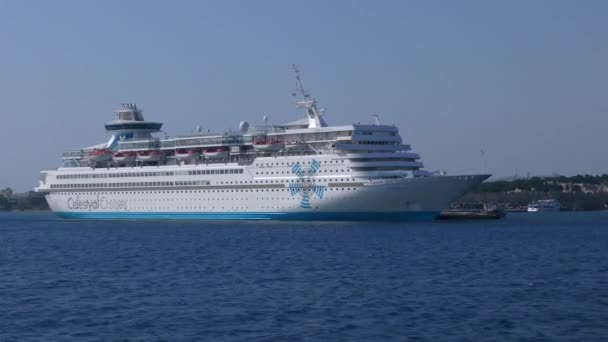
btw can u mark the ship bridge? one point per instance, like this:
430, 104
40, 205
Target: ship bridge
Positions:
129, 123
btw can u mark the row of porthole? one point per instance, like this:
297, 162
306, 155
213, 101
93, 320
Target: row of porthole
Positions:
218, 199
193, 191
271, 181
257, 199
293, 163
215, 199
280, 182
289, 172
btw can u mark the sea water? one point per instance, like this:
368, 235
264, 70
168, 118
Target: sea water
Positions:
527, 276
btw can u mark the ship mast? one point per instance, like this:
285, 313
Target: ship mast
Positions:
309, 103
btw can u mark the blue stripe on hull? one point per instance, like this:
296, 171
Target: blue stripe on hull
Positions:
301, 216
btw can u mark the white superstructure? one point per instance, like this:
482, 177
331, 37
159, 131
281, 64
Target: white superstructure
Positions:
301, 170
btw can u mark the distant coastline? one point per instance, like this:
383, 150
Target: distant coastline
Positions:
577, 193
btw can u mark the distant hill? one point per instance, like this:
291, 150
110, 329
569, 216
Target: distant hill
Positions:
581, 192
574, 184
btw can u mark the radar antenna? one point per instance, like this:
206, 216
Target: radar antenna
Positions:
309, 103
299, 86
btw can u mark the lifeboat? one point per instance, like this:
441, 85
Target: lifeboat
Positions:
216, 153
264, 145
149, 155
294, 145
124, 157
100, 155
190, 154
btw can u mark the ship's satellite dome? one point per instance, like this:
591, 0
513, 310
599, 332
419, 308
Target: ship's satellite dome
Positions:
244, 126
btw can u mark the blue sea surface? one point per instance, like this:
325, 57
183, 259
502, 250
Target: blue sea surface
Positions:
528, 276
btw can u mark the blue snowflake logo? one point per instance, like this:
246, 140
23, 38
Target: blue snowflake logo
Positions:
304, 184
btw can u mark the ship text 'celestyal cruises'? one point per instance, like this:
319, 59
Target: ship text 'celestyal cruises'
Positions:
303, 170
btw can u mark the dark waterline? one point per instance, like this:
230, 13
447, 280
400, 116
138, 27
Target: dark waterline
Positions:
529, 276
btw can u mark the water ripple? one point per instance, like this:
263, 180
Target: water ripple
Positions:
531, 277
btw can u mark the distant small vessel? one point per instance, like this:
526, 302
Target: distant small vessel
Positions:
544, 205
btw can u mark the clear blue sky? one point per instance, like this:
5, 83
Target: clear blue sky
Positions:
526, 81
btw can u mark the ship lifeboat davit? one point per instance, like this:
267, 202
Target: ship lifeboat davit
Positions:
149, 155
124, 157
269, 146
216, 153
189, 154
100, 155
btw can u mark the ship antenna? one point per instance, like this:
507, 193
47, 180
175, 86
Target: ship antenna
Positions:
299, 85
377, 117
309, 103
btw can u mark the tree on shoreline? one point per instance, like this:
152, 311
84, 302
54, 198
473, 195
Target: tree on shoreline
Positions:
4, 203
544, 184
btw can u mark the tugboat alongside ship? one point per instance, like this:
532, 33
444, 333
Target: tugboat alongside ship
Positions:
487, 211
471, 211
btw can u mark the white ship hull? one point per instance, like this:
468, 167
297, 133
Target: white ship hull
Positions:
420, 198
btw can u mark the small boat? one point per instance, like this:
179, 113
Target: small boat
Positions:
124, 157
149, 155
265, 145
100, 155
544, 205
216, 153
469, 211
189, 154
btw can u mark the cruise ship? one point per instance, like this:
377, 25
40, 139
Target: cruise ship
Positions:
302, 170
